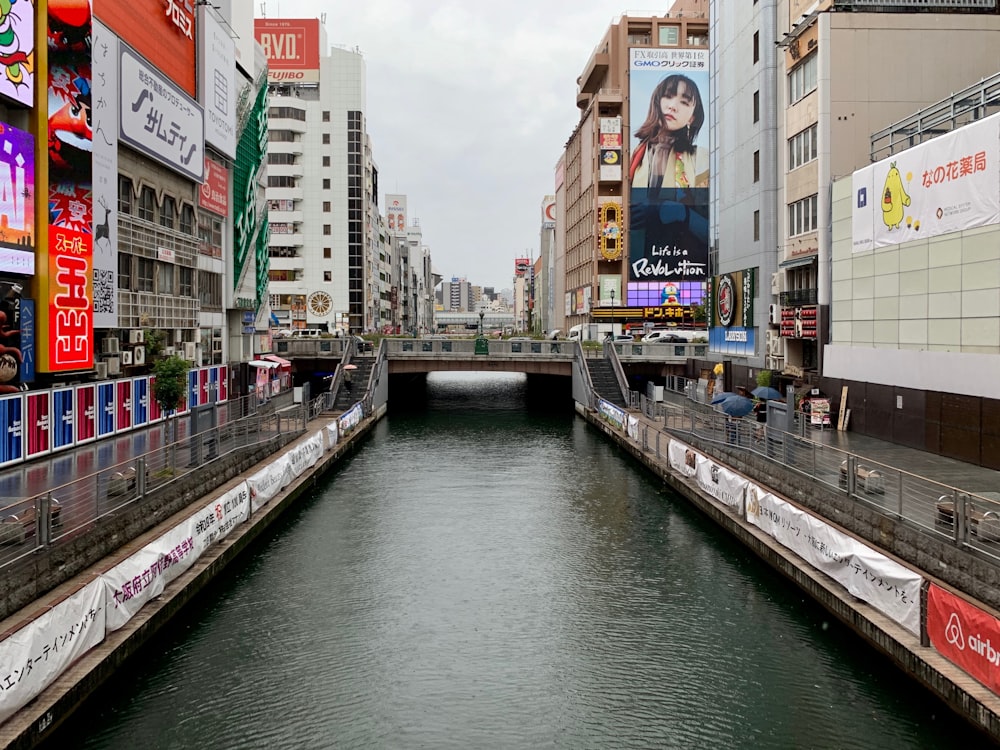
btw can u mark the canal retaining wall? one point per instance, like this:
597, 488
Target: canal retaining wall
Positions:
965, 695
45, 714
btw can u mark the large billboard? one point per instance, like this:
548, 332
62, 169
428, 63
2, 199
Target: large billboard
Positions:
668, 167
17, 52
159, 119
395, 213
218, 84
947, 184
17, 200
291, 46
65, 269
162, 31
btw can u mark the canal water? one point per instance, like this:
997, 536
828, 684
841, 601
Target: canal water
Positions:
485, 575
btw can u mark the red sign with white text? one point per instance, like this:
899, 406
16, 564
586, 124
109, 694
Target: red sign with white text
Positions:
214, 192
291, 46
71, 307
965, 635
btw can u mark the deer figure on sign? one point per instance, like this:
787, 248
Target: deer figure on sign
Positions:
101, 230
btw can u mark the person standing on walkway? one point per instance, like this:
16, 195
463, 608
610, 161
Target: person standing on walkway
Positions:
348, 380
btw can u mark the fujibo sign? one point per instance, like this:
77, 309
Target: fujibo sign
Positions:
291, 47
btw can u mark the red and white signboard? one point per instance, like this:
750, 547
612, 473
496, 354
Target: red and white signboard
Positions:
214, 192
291, 46
965, 635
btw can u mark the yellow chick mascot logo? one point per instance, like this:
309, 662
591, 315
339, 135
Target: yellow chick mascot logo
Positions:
894, 198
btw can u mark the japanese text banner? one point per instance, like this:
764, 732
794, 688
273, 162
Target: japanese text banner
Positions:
886, 585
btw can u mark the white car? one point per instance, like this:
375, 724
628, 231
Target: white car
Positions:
664, 336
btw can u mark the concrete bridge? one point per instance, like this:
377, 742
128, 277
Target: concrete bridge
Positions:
531, 356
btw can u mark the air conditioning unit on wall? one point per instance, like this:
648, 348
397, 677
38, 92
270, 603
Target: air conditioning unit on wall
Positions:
777, 282
109, 345
126, 357
775, 345
101, 370
136, 336
190, 350
139, 356
114, 366
774, 314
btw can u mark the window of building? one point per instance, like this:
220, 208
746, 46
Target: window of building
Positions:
168, 210
187, 218
326, 139
289, 113
803, 216
282, 136
802, 79
327, 253
124, 271
145, 270
756, 226
327, 229
281, 159
670, 36
327, 275
124, 195
326, 161
326, 183
147, 203
210, 289
640, 36
756, 106
280, 181
165, 278
802, 147
697, 40
326, 206
756, 166
186, 277
326, 115
756, 46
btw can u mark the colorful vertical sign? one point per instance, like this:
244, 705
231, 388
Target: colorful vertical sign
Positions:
105, 409
292, 47
105, 194
155, 413
65, 272
140, 401
668, 169
223, 379
12, 425
193, 389
965, 635
37, 424
17, 51
86, 415
63, 428
123, 412
17, 198
12, 367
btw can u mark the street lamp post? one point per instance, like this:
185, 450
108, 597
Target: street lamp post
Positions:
482, 345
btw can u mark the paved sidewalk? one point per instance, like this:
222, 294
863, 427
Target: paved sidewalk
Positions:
949, 471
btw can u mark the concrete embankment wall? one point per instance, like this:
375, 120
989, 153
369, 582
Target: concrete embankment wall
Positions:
40, 719
966, 696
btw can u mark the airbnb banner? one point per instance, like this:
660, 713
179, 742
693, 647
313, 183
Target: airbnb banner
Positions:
965, 635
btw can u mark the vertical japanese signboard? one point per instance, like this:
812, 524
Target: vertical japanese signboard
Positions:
65, 274
105, 192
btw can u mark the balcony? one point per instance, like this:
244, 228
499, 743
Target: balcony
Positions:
150, 240
593, 74
798, 297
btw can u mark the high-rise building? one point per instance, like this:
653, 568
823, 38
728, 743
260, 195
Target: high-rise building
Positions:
325, 247
634, 211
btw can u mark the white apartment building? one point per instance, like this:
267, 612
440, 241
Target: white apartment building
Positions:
321, 183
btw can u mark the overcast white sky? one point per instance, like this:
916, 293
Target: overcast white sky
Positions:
469, 106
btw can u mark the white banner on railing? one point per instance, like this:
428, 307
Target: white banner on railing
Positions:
332, 434
351, 419
33, 657
145, 574
220, 517
612, 414
268, 482
891, 588
721, 483
683, 459
302, 456
633, 427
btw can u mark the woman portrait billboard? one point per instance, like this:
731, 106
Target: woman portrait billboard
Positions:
668, 164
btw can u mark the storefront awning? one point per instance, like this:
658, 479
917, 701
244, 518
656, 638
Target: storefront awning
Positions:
277, 360
262, 363
796, 262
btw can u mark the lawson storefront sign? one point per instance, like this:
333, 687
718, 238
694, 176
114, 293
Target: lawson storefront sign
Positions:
734, 341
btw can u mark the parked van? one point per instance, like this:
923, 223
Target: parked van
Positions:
670, 335
306, 333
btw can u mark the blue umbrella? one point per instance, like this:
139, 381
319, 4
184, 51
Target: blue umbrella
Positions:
721, 396
767, 393
737, 406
